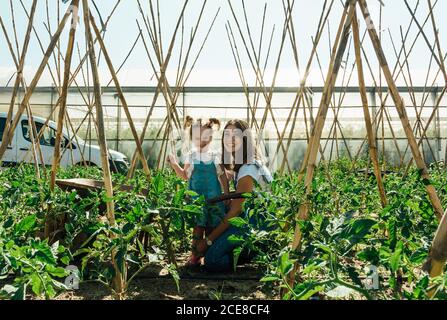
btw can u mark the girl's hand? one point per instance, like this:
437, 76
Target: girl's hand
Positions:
171, 159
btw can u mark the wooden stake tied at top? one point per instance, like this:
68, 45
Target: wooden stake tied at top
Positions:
400, 107
314, 144
122, 98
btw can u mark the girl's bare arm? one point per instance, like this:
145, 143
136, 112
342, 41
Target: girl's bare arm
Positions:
181, 172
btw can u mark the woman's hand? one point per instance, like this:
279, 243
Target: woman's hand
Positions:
201, 247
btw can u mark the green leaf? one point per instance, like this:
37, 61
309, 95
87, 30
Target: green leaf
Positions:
175, 275
120, 258
159, 184
392, 229
65, 260
56, 271
285, 264
26, 224
191, 193
50, 292
236, 240
311, 292
396, 257
370, 255
236, 254
140, 248
324, 247
419, 256
358, 230
45, 255
237, 222
36, 284
270, 279
20, 294
8, 223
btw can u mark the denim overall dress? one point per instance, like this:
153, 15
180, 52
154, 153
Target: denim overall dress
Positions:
205, 182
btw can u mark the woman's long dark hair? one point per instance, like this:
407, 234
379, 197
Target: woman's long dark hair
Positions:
250, 150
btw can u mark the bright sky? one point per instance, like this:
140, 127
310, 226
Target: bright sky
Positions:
216, 66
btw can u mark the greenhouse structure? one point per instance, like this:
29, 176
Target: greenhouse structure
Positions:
223, 149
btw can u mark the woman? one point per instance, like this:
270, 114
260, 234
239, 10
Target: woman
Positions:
240, 155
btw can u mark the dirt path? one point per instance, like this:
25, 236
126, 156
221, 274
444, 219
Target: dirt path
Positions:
165, 289
156, 284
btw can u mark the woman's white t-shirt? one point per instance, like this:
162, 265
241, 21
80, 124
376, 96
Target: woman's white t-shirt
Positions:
259, 172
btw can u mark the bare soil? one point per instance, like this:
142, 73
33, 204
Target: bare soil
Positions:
156, 284
165, 289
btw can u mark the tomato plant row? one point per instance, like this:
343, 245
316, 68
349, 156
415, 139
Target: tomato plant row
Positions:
347, 234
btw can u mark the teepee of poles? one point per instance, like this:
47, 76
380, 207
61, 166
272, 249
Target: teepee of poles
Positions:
94, 35
349, 22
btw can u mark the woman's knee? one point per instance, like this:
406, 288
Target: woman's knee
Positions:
212, 256
217, 259
219, 255
215, 263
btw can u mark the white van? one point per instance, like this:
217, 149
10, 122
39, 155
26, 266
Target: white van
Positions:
19, 150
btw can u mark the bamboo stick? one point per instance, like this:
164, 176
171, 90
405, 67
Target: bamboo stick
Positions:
438, 252
171, 98
371, 136
63, 106
396, 72
72, 79
120, 277
13, 20
40, 133
345, 15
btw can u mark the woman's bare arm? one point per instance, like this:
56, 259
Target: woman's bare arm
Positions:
245, 185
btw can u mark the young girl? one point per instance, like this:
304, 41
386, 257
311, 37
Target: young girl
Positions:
206, 177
